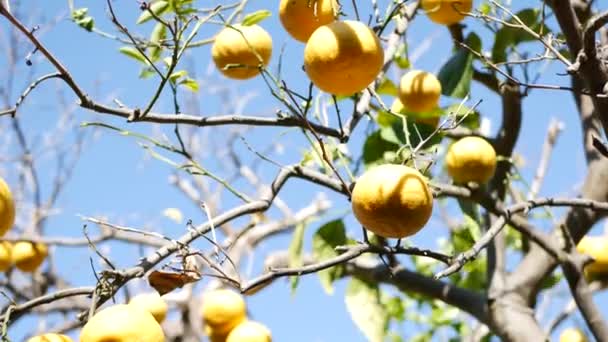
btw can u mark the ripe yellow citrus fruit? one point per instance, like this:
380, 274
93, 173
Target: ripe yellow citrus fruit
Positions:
215, 336
153, 303
471, 159
572, 335
6, 258
398, 108
29, 256
343, 58
419, 91
597, 248
50, 338
250, 331
7, 208
446, 12
122, 323
223, 310
393, 201
238, 51
301, 18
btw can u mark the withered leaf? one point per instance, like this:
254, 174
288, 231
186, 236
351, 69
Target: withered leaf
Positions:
165, 282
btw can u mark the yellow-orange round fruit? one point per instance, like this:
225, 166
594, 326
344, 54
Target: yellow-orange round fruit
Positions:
471, 159
301, 18
238, 51
572, 335
50, 338
343, 58
222, 310
6, 257
250, 331
393, 201
446, 12
28, 256
7, 208
398, 108
419, 91
153, 303
122, 323
597, 248
214, 336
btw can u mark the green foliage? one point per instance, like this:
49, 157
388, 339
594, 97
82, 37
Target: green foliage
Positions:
456, 74
401, 57
133, 53
366, 310
295, 252
80, 17
158, 8
387, 87
509, 37
159, 33
255, 17
375, 149
190, 84
324, 242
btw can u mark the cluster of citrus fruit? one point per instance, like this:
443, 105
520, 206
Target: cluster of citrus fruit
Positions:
137, 321
24, 255
225, 318
343, 57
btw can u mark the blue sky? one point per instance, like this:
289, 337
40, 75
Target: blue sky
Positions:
115, 178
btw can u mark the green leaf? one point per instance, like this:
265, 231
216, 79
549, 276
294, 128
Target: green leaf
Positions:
417, 133
159, 33
146, 72
456, 74
255, 17
387, 87
295, 252
324, 242
133, 53
366, 310
394, 307
507, 37
190, 84
401, 57
157, 7
375, 148
385, 119
472, 120
177, 75
83, 20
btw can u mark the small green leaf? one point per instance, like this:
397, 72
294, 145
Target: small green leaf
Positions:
324, 242
375, 148
83, 20
401, 57
255, 17
456, 75
387, 87
190, 84
508, 36
159, 33
133, 53
363, 304
146, 72
295, 253
177, 75
157, 7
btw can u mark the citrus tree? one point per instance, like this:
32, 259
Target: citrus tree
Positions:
167, 163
